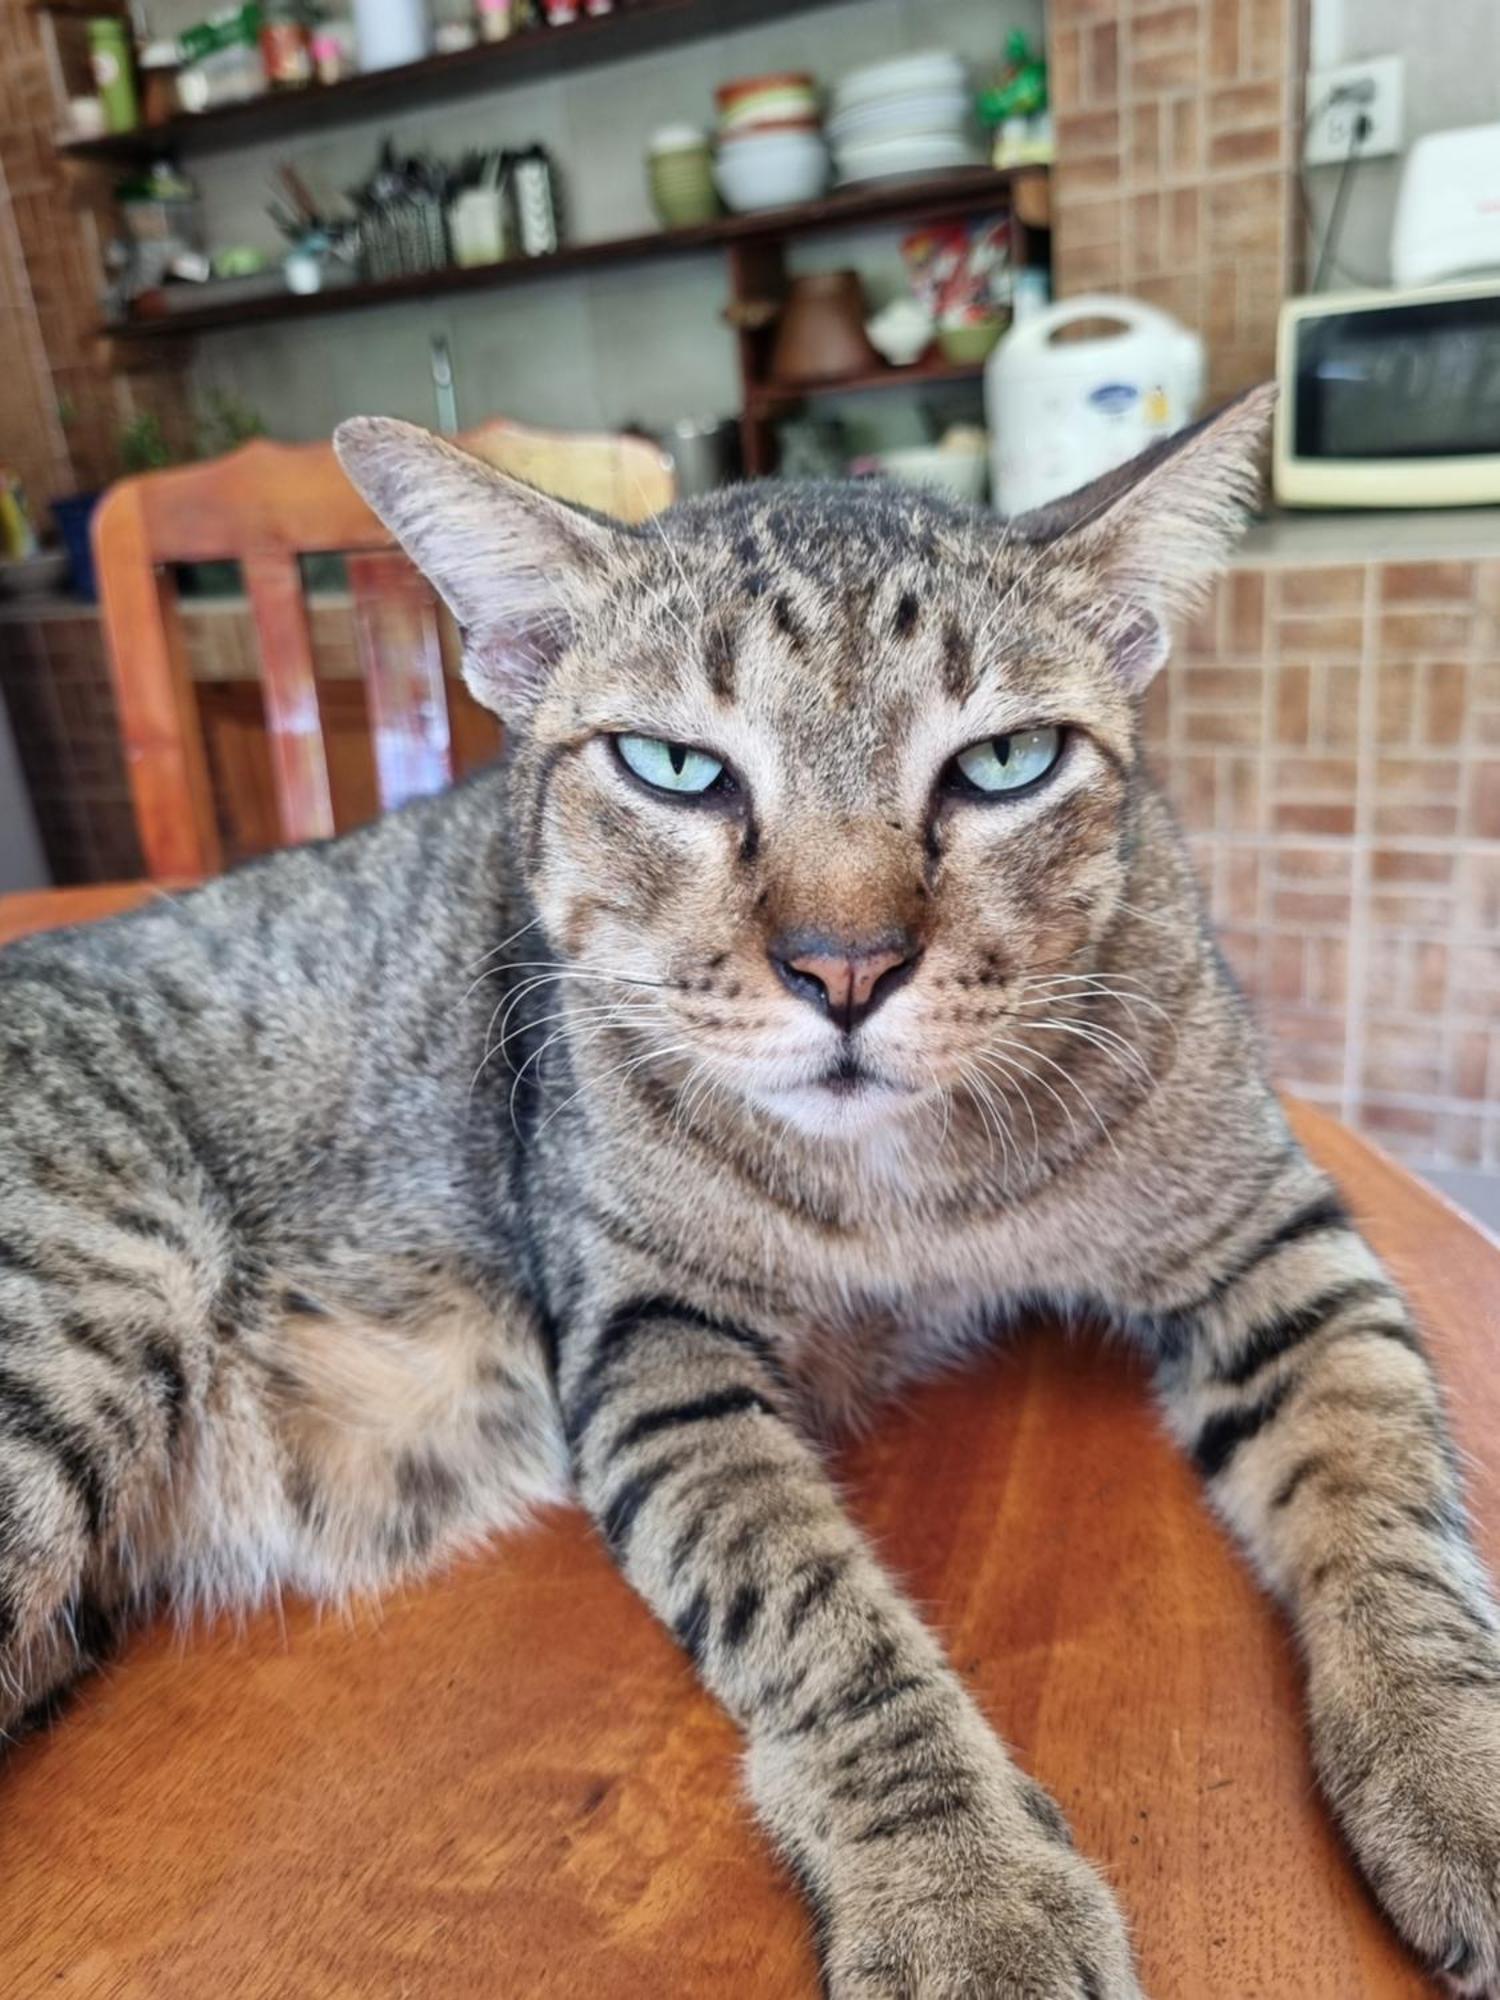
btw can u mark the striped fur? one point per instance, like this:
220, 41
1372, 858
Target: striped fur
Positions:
358, 1201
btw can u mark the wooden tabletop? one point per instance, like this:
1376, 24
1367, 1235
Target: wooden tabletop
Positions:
508, 1784
50, 909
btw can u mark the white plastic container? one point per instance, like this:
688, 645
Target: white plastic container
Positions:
476, 224
390, 32
1061, 412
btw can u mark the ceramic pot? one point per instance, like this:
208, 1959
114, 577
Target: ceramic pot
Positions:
821, 334
679, 170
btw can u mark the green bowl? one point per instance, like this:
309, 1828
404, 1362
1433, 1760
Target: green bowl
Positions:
963, 345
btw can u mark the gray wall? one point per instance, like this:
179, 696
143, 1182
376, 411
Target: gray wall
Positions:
646, 344
1451, 51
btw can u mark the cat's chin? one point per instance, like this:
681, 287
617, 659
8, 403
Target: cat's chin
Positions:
838, 1106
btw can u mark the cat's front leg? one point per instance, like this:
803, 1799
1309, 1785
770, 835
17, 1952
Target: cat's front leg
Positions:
1295, 1377
933, 1867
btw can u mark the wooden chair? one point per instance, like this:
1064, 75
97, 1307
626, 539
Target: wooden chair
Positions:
265, 506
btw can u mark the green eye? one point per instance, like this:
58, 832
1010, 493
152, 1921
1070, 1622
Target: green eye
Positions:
1010, 763
669, 767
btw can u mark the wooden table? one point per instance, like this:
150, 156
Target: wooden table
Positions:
507, 1784
50, 909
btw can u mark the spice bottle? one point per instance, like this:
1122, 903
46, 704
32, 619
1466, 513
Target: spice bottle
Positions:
284, 46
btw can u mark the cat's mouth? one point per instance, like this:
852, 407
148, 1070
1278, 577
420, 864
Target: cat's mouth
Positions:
843, 1096
848, 1076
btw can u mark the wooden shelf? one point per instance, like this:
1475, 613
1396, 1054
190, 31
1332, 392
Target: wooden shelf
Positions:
965, 192
79, 10
638, 28
765, 397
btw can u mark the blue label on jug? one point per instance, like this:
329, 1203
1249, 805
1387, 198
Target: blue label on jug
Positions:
1114, 398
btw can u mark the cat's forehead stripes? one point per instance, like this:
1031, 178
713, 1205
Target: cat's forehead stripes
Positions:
858, 604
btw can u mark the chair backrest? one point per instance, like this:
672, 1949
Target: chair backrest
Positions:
265, 506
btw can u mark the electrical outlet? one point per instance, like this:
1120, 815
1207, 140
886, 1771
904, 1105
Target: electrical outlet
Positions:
1338, 98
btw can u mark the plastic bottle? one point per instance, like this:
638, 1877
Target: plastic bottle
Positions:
114, 73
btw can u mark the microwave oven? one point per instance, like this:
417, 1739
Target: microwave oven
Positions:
1390, 399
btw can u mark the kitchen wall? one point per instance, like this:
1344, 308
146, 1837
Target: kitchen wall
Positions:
1329, 732
1176, 122
1452, 58
600, 350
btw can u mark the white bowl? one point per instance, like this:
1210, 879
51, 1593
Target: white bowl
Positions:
959, 474
901, 331
772, 172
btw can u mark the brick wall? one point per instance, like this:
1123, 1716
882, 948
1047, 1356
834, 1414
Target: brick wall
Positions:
1331, 739
1176, 133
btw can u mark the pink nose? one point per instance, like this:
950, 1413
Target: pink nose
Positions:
846, 983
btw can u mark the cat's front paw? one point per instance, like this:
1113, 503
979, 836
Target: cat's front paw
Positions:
1414, 1777
964, 1915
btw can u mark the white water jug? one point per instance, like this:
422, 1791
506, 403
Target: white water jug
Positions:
1060, 412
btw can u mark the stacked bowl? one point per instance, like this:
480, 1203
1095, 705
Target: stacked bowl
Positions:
771, 150
911, 115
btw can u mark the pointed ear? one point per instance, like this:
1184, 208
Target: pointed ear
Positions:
514, 566
1151, 535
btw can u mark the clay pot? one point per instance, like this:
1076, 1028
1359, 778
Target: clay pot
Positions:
821, 335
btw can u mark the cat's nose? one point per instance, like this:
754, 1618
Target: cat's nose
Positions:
846, 981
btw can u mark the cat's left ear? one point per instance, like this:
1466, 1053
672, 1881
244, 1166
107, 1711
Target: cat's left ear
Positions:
514, 566
1144, 542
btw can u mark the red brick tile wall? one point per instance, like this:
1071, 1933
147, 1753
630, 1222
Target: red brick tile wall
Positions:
1331, 739
1176, 133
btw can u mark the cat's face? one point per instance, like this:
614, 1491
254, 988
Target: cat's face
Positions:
839, 778
824, 794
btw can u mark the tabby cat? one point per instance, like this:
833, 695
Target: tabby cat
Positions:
820, 981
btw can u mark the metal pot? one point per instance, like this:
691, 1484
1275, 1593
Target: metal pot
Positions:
705, 451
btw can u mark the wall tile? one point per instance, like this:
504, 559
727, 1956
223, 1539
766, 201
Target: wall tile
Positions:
1354, 868
1101, 62
1427, 583
1223, 38
1153, 72
1065, 71
1246, 147
1183, 137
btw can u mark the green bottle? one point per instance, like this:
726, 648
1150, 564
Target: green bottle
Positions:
114, 74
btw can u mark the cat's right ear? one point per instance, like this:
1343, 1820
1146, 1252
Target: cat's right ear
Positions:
1140, 546
514, 566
